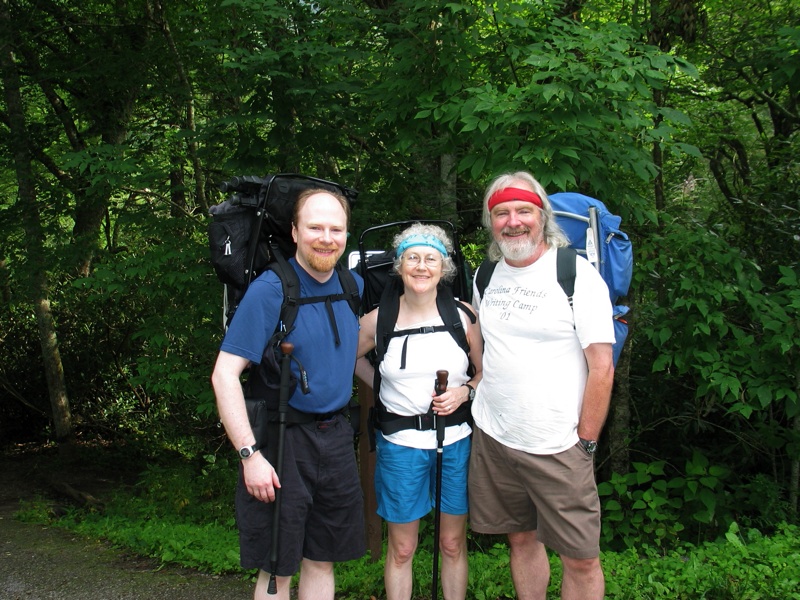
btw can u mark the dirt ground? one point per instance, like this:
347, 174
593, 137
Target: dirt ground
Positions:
41, 563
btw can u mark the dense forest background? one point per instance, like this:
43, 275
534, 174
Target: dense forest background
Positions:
120, 119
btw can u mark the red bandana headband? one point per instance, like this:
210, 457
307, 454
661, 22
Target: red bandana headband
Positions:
510, 193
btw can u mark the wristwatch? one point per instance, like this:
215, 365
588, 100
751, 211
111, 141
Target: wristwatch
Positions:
589, 445
471, 392
247, 452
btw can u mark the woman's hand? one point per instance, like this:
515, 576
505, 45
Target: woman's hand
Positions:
448, 403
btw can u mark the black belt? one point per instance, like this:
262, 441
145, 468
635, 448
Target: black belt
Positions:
389, 423
299, 417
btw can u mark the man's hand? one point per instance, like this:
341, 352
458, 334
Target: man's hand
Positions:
260, 477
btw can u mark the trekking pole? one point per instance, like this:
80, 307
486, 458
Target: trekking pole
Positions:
283, 407
440, 387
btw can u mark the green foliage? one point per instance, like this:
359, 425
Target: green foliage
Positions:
210, 547
566, 100
744, 566
162, 315
489, 576
34, 511
716, 312
649, 506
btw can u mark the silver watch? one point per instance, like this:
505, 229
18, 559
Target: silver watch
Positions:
471, 392
247, 452
589, 445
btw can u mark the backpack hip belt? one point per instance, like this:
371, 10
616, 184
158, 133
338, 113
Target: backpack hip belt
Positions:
389, 423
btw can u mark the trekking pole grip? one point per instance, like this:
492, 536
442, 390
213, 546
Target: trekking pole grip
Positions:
283, 395
440, 387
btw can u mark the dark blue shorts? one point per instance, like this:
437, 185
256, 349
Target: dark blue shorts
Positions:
322, 507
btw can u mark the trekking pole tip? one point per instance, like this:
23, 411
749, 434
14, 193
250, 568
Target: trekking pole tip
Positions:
287, 347
272, 588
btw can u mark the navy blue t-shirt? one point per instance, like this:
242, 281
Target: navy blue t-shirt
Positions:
329, 367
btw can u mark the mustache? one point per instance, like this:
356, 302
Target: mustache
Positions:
515, 230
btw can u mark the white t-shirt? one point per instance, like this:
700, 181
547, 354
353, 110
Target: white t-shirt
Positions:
534, 369
409, 391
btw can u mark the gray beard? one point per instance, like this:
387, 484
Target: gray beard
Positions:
517, 249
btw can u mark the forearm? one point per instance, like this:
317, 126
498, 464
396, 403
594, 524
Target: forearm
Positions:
365, 371
596, 402
597, 395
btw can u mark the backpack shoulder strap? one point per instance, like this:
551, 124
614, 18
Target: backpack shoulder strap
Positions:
448, 309
292, 300
566, 269
388, 310
290, 283
350, 288
484, 275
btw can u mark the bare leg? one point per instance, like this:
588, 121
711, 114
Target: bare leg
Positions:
316, 580
397, 572
284, 583
453, 546
530, 568
583, 579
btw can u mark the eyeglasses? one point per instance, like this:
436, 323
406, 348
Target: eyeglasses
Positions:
413, 259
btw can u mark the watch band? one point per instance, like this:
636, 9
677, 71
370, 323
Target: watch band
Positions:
471, 392
589, 445
247, 451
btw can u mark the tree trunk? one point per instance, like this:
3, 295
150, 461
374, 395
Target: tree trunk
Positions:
51, 357
449, 208
619, 425
54, 370
5, 287
794, 479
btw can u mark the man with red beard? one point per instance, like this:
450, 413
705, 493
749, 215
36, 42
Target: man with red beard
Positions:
546, 388
321, 516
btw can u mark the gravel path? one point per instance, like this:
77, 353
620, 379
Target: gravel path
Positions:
40, 563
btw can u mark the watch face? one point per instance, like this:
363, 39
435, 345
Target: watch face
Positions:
245, 452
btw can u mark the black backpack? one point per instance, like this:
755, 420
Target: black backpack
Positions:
250, 232
381, 282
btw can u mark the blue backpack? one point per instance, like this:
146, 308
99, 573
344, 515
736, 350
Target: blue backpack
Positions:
594, 233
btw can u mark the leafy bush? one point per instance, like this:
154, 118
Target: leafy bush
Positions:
743, 566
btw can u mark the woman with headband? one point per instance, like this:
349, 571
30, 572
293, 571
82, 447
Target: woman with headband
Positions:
406, 438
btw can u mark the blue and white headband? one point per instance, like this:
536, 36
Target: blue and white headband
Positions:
419, 239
